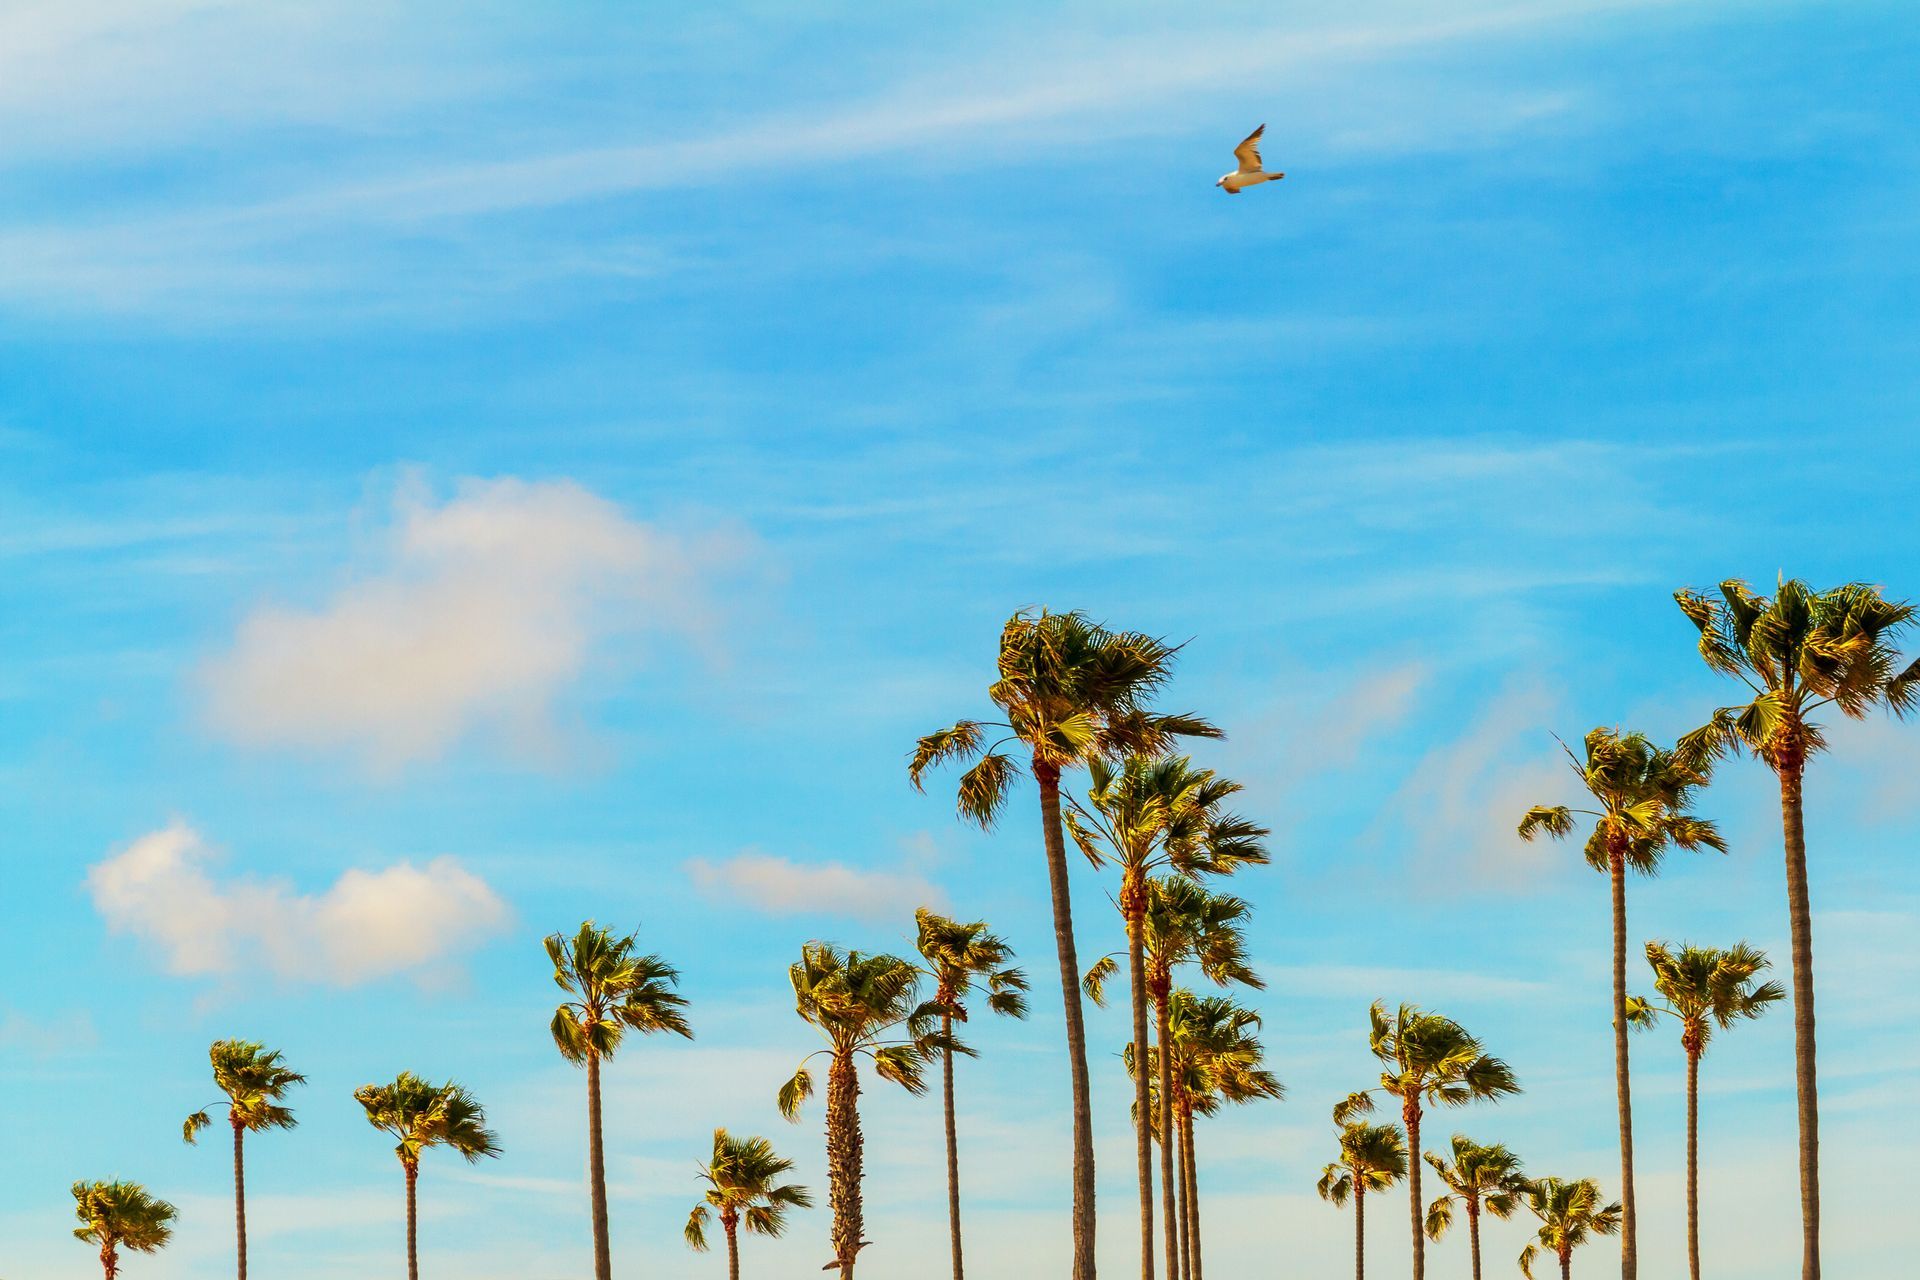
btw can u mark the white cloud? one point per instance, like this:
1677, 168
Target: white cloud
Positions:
779, 886
488, 607
47, 1037
367, 925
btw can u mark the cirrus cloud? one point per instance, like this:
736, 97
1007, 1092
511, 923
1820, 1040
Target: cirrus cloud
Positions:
780, 886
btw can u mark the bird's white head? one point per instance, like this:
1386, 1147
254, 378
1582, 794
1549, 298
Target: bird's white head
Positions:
1223, 180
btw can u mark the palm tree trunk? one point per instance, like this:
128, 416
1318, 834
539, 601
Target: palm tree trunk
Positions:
1172, 1190
1629, 1221
1193, 1192
953, 1145
1410, 1113
1473, 1232
1179, 1227
1693, 1164
109, 1261
1359, 1227
240, 1193
733, 1250
597, 1174
1566, 1265
1133, 905
844, 1160
1800, 918
1048, 778
413, 1224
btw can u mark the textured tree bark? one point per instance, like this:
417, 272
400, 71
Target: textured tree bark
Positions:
953, 1147
413, 1223
1473, 1231
1179, 1227
1133, 906
1800, 918
732, 1225
597, 1174
1410, 1114
1359, 1228
109, 1261
1048, 778
1172, 1192
239, 1190
1693, 1163
845, 1159
1193, 1192
1629, 1219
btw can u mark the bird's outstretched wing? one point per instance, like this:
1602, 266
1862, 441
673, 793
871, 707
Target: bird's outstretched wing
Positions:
1248, 152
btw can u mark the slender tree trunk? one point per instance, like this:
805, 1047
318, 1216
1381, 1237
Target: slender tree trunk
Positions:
1473, 1232
1566, 1264
109, 1261
1193, 1192
413, 1223
240, 1192
1410, 1113
1171, 1190
733, 1247
1359, 1227
1800, 917
1693, 1164
953, 1145
1133, 906
597, 1174
1629, 1220
845, 1160
1048, 778
1179, 1226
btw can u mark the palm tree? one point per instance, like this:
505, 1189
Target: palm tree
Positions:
255, 1080
1372, 1158
616, 990
866, 1007
1217, 1059
1480, 1177
426, 1115
1644, 796
1184, 923
1145, 814
744, 1188
1570, 1214
957, 956
1428, 1058
121, 1215
1072, 692
1797, 653
1704, 987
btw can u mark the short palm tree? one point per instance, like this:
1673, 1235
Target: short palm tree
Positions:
1428, 1058
1071, 692
1644, 796
121, 1215
1480, 1177
744, 1189
957, 956
866, 1007
615, 989
1704, 987
423, 1115
1184, 923
1797, 653
1149, 813
255, 1080
1217, 1059
1570, 1214
1372, 1158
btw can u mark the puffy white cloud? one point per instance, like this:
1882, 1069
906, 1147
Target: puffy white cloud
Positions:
780, 886
367, 925
486, 608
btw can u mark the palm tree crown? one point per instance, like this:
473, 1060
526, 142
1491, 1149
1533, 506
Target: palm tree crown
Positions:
1372, 1158
866, 1006
615, 988
423, 1115
959, 955
1645, 794
1704, 988
1151, 811
1570, 1213
255, 1080
744, 1189
1488, 1176
121, 1215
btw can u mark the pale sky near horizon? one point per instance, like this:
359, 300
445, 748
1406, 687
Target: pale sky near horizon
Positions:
469, 468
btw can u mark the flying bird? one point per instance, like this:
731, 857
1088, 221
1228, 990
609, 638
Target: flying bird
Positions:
1249, 174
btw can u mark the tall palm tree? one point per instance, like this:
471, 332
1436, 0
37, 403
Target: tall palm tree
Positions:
1704, 987
958, 955
1147, 813
1644, 798
121, 1215
423, 1115
255, 1080
616, 989
1428, 1058
1217, 1059
1184, 923
866, 1007
1071, 691
1570, 1214
1797, 653
1372, 1158
1479, 1176
744, 1189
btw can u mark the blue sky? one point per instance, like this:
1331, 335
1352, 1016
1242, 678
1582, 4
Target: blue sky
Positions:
470, 468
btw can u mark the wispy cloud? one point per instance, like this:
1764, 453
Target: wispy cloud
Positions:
780, 886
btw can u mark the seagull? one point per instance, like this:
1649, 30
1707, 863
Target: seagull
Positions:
1249, 174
